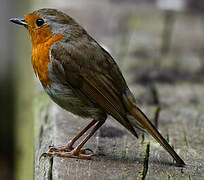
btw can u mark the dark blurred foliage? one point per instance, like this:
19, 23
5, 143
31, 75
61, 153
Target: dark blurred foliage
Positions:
7, 101
6, 130
196, 5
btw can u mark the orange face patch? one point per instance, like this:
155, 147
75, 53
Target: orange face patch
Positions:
37, 34
42, 39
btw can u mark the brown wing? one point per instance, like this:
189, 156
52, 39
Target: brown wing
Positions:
91, 70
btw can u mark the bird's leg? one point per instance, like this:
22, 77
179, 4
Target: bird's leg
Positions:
69, 146
76, 152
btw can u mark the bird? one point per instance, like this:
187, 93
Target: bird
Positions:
82, 77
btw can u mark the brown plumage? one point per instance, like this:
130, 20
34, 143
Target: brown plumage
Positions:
81, 77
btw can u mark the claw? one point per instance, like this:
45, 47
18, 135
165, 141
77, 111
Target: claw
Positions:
83, 151
43, 155
72, 154
51, 146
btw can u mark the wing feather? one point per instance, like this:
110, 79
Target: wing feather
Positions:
92, 77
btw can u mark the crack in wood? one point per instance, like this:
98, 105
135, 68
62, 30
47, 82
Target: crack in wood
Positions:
50, 169
168, 176
156, 116
155, 94
143, 138
146, 162
156, 101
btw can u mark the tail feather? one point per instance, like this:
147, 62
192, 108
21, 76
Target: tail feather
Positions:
129, 102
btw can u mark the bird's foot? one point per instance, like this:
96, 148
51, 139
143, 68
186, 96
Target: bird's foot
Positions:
75, 153
67, 148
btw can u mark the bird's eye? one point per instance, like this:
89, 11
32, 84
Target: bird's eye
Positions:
39, 22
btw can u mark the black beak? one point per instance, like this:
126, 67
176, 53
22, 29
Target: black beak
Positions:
20, 21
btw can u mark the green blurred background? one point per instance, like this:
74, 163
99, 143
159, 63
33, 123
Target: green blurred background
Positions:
153, 41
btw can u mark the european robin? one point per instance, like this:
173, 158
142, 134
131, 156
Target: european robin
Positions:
83, 78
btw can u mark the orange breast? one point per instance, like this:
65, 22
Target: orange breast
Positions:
40, 59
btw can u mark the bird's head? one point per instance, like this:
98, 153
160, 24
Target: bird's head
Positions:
43, 24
